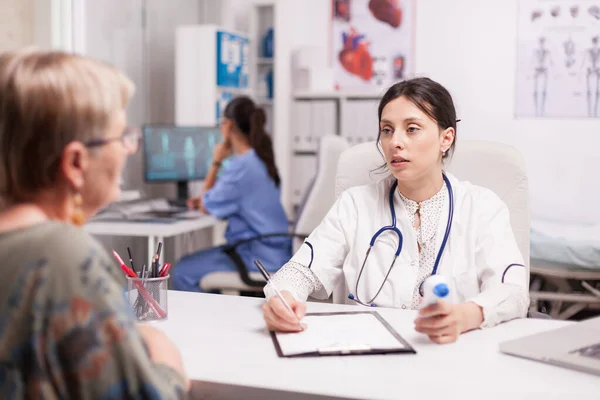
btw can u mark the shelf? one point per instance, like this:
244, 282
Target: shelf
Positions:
264, 61
264, 102
305, 153
234, 90
311, 95
264, 3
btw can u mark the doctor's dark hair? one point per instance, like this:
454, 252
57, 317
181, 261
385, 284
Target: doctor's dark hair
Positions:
250, 121
431, 97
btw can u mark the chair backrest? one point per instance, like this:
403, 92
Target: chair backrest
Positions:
496, 166
320, 195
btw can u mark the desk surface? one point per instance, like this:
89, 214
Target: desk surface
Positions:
144, 229
224, 342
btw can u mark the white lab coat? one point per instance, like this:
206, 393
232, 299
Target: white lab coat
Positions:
481, 261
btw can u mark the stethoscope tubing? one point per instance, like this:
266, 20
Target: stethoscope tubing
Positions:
394, 228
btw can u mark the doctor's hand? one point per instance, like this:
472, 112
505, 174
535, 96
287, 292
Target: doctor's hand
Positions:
440, 321
444, 322
279, 318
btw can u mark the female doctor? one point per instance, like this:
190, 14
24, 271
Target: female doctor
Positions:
420, 220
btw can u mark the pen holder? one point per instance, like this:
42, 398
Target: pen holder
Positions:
148, 297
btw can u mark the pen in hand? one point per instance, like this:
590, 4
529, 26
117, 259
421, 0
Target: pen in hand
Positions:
267, 276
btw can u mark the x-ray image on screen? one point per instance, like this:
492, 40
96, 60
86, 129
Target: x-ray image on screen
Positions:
173, 153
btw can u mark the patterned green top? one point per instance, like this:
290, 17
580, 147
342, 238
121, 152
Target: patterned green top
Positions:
66, 329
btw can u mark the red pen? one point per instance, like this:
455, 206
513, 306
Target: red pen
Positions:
164, 270
128, 271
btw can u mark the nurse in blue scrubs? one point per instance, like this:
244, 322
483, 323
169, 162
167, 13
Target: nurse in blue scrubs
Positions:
246, 194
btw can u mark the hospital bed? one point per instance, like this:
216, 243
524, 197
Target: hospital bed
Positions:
565, 267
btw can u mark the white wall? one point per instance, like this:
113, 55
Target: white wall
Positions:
16, 24
234, 15
470, 47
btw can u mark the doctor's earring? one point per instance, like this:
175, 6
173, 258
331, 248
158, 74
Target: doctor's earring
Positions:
77, 217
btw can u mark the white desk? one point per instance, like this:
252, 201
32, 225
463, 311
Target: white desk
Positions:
155, 232
225, 345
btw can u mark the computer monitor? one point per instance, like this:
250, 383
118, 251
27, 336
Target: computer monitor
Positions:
178, 154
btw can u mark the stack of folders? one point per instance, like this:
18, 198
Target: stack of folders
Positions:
312, 120
341, 333
359, 121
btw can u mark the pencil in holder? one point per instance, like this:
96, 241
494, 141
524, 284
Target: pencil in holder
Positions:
148, 297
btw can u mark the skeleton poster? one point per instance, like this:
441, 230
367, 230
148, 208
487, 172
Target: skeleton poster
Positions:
372, 42
558, 59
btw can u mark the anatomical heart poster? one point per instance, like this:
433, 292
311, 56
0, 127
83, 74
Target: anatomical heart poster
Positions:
372, 42
558, 59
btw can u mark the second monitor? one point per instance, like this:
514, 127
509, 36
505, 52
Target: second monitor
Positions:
178, 154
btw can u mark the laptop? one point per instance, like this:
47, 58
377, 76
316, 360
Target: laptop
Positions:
576, 346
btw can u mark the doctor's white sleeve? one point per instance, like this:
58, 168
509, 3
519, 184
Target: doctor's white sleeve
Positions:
500, 268
317, 266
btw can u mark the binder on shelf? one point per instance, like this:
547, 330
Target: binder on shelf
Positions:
351, 119
360, 122
323, 115
369, 124
301, 125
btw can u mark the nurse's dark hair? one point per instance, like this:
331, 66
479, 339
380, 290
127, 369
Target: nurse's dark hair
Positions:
431, 97
250, 121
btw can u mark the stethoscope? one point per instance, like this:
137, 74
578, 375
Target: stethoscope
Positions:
395, 229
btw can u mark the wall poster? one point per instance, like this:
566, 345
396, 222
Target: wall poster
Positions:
372, 42
558, 59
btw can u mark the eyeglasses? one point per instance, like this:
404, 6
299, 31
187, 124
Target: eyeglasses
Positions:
130, 139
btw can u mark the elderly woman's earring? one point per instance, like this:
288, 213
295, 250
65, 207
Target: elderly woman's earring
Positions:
77, 217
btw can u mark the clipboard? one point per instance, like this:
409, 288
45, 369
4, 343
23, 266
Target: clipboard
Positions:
330, 331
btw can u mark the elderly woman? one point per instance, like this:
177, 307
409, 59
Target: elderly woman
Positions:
66, 330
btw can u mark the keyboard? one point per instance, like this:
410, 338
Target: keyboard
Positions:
161, 210
177, 203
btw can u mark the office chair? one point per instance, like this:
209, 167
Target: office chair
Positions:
317, 201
